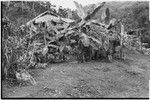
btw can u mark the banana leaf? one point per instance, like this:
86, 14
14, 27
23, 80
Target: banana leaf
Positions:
90, 16
84, 39
80, 10
95, 43
45, 50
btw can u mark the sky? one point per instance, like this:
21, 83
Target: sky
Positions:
70, 4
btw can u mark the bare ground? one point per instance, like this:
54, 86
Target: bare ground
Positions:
119, 79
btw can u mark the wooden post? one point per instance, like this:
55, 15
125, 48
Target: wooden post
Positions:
121, 39
140, 40
45, 42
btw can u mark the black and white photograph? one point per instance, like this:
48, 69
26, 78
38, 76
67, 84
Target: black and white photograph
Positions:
75, 49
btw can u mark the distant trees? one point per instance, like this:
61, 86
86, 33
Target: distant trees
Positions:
19, 12
134, 16
140, 12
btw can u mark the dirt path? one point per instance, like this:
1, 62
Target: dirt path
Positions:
128, 78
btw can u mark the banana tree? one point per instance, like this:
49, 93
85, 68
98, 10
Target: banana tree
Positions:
86, 21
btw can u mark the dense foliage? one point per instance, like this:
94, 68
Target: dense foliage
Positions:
87, 38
